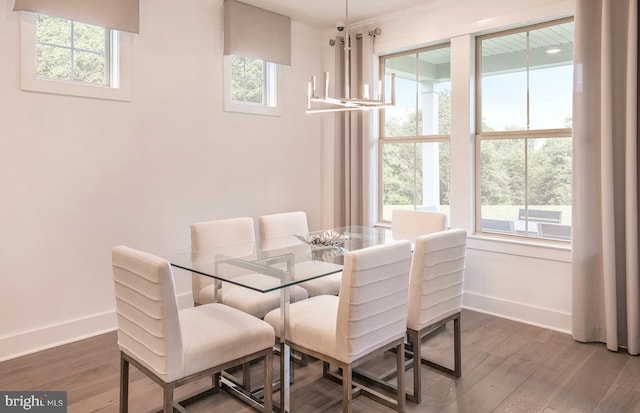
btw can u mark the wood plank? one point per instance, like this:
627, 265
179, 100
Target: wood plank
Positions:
591, 381
558, 364
499, 383
506, 366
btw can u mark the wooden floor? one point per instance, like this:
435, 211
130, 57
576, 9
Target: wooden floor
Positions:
507, 367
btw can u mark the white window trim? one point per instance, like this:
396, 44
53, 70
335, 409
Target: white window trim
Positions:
120, 67
274, 106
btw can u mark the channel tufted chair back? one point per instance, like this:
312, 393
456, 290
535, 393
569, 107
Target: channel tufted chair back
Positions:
174, 347
148, 322
369, 317
209, 235
435, 295
407, 224
374, 311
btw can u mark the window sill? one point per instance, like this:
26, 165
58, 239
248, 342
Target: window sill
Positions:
251, 109
526, 247
58, 87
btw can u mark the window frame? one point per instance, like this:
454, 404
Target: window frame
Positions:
271, 96
119, 61
417, 139
525, 135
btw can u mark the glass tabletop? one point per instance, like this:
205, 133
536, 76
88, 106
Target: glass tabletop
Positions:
281, 262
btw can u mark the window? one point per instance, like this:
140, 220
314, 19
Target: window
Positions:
72, 51
251, 85
415, 133
66, 57
523, 141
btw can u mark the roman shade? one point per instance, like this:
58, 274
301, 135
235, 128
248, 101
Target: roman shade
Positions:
123, 15
254, 32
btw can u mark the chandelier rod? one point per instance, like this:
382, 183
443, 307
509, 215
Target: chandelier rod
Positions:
347, 55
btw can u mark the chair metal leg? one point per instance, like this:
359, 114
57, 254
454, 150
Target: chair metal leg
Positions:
457, 347
167, 402
246, 375
400, 379
124, 385
216, 381
457, 368
414, 340
346, 388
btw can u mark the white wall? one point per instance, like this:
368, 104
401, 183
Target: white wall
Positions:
78, 176
530, 283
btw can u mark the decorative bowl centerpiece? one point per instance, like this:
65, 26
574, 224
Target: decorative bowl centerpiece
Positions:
329, 238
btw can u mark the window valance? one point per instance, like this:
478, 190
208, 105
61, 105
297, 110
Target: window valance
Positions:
255, 32
123, 15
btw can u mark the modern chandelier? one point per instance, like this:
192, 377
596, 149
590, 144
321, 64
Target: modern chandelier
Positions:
324, 103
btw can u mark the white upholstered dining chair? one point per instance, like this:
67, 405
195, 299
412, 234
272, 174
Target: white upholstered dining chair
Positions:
369, 315
435, 296
214, 234
407, 224
174, 347
283, 224
273, 228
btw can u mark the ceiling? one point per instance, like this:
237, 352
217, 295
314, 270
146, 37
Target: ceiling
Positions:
325, 14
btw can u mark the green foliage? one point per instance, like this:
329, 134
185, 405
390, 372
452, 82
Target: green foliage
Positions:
89, 68
247, 79
550, 171
53, 62
445, 172
402, 162
88, 37
444, 112
502, 172
53, 30
71, 51
398, 174
444, 128
504, 177
546, 175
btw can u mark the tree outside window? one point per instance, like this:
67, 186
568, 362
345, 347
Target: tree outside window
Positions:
248, 81
414, 143
72, 51
524, 143
253, 81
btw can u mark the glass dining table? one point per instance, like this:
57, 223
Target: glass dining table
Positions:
289, 261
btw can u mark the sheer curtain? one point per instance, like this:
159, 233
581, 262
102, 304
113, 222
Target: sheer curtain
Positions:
606, 284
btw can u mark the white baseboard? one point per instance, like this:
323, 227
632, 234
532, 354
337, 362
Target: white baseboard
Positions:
524, 313
32, 341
